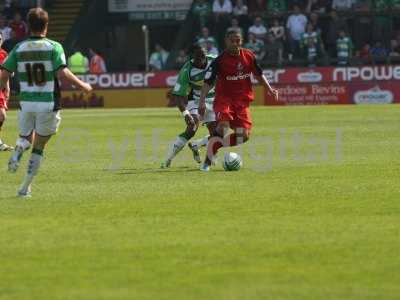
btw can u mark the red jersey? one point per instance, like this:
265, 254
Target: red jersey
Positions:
3, 56
233, 75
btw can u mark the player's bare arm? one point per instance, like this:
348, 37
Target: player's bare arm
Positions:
68, 75
181, 104
271, 91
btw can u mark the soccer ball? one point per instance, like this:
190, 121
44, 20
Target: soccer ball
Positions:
232, 162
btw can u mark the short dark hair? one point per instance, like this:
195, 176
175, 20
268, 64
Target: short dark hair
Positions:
193, 48
38, 19
233, 31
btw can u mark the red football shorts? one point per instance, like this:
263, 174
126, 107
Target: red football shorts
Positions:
3, 103
237, 113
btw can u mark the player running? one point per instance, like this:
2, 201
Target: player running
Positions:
38, 62
232, 71
188, 86
4, 96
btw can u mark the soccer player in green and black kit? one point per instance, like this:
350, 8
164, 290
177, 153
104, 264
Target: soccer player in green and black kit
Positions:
38, 63
188, 87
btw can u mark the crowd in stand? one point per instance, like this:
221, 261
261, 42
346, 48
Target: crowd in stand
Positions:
13, 29
308, 32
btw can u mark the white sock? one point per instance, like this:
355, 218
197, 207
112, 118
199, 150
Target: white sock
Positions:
23, 143
33, 169
176, 147
20, 147
201, 142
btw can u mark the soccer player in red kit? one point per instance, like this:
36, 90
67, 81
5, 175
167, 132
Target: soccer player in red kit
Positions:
232, 72
4, 95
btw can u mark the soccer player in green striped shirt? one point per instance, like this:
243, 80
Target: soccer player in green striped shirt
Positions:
188, 87
38, 62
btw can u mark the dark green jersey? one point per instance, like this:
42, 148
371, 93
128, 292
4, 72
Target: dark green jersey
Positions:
190, 81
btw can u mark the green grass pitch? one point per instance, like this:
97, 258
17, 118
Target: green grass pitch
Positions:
313, 214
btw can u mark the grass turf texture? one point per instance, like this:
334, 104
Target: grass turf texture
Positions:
317, 223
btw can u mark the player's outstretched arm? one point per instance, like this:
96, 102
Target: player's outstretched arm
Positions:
203, 95
272, 92
68, 75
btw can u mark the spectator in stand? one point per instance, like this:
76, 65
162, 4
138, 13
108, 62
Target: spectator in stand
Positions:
211, 49
311, 44
5, 30
206, 38
255, 45
8, 9
97, 64
19, 27
258, 29
158, 59
365, 54
273, 52
240, 9
296, 26
334, 26
11, 42
241, 12
78, 63
222, 8
363, 23
256, 7
311, 53
235, 26
314, 21
23, 6
277, 6
202, 11
344, 48
181, 59
383, 22
394, 55
342, 4
319, 6
379, 53
277, 30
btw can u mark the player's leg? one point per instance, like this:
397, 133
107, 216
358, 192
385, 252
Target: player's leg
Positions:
180, 142
26, 123
209, 120
46, 126
3, 115
240, 121
39, 144
215, 142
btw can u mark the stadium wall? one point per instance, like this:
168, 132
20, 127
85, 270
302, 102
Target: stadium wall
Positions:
297, 86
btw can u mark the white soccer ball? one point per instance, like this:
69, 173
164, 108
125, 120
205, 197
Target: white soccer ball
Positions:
232, 162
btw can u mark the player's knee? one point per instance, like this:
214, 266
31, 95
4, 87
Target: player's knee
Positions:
243, 134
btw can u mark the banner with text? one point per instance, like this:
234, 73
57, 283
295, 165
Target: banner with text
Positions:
327, 85
151, 9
